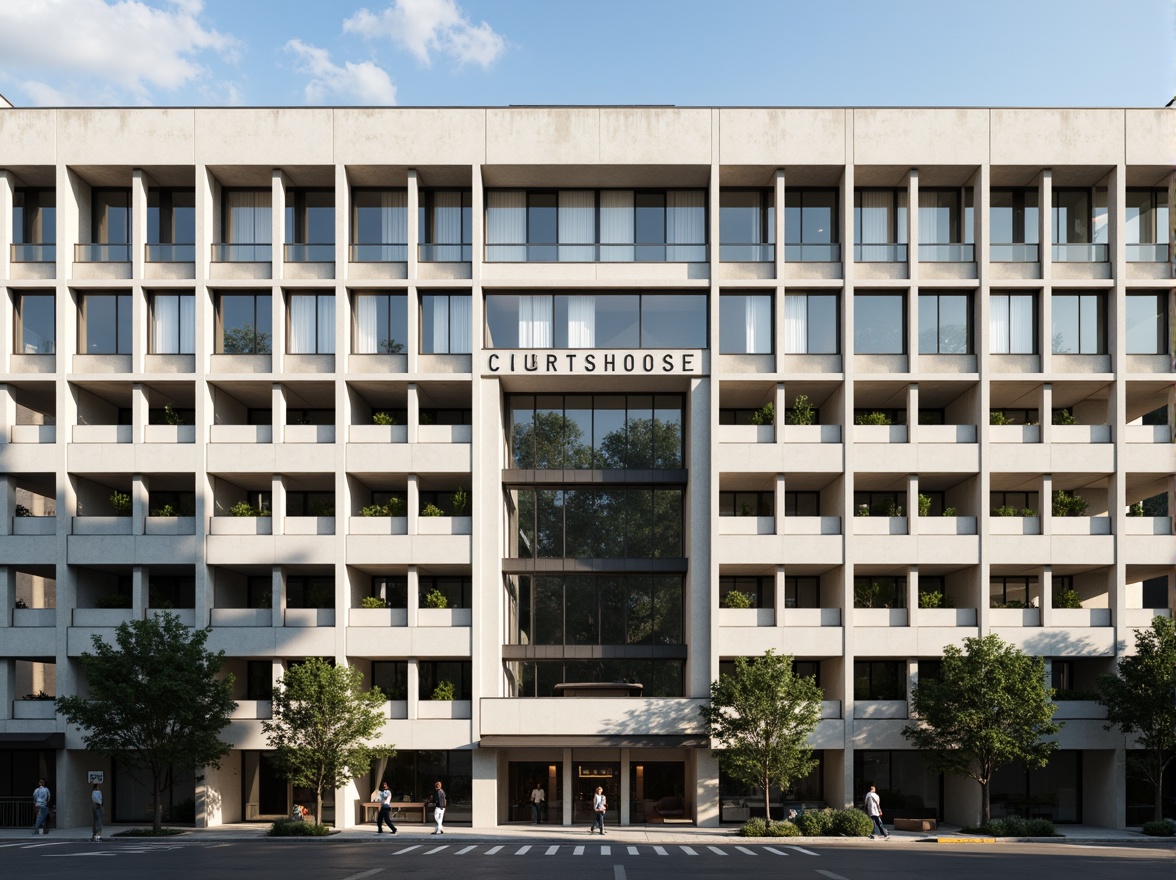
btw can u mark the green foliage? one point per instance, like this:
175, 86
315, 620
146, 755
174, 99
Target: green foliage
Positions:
373, 602
989, 707
436, 599
39, 697
432, 510
121, 502
21, 510
155, 701
383, 418
851, 823
935, 599
783, 829
1067, 504
1014, 603
754, 828
322, 507
396, 506
862, 510
765, 415
170, 416
1159, 829
762, 716
244, 340
924, 505
461, 502
1064, 417
1040, 827
997, 417
1139, 701
949, 511
1135, 509
21, 603
1008, 826
244, 508
738, 599
802, 412
166, 510
444, 692
815, 823
869, 595
264, 599
1005, 510
322, 720
872, 418
1067, 599
298, 828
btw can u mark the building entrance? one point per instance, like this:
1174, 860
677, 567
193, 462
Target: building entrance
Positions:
586, 777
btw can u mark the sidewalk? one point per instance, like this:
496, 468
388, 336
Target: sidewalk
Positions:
634, 834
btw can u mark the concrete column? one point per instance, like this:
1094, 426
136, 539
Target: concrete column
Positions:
1045, 584
413, 597
7, 413
139, 588
7, 687
626, 793
140, 503
7, 594
414, 232
278, 411
778, 235
1045, 412
278, 504
1045, 500
781, 596
912, 504
706, 789
912, 245
912, 604
7, 508
484, 777
568, 793
413, 683
278, 594
1045, 228
414, 503
140, 415
912, 403
414, 412
778, 503
7, 232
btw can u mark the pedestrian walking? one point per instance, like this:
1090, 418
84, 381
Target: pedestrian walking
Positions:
874, 811
41, 798
537, 799
439, 804
599, 806
384, 816
96, 808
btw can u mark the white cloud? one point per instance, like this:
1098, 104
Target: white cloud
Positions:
426, 26
128, 44
363, 83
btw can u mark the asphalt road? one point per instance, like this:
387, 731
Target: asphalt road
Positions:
386, 859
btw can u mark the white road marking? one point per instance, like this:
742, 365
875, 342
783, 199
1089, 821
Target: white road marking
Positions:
633, 851
363, 874
606, 850
406, 849
716, 850
660, 850
552, 850
578, 851
778, 852
747, 851
39, 845
523, 850
688, 850
807, 852
492, 850
618, 872
464, 850
436, 849
831, 875
80, 854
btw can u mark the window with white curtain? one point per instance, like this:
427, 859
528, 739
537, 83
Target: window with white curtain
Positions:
810, 323
506, 226
379, 225
445, 323
445, 225
577, 226
248, 216
745, 323
312, 323
381, 323
1012, 323
880, 225
173, 323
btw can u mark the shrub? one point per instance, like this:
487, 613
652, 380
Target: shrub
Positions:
244, 508
21, 603
1067, 599
170, 416
436, 599
1040, 828
431, 510
754, 828
872, 418
1064, 417
893, 508
862, 510
149, 832
21, 510
166, 510
851, 823
444, 691
924, 505
997, 417
1135, 509
373, 510
765, 415
1009, 826
373, 602
949, 511
935, 599
114, 600
383, 418
321, 507
1067, 504
815, 823
738, 599
461, 502
121, 502
298, 828
802, 412
783, 829
1163, 828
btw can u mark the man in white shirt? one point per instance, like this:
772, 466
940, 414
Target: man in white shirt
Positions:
384, 817
96, 804
41, 798
537, 799
599, 806
874, 811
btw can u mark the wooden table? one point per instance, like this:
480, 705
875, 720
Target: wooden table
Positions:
400, 810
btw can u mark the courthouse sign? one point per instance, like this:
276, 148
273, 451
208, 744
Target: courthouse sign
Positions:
687, 362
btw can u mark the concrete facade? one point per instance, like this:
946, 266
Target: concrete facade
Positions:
290, 428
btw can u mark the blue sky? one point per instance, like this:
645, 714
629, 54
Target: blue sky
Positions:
497, 52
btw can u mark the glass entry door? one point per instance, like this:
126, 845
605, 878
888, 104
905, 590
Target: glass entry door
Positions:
586, 777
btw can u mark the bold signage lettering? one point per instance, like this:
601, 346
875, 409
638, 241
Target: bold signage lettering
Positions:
583, 362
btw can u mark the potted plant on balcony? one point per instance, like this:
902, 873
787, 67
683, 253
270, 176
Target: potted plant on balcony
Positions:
436, 599
802, 412
383, 418
121, 503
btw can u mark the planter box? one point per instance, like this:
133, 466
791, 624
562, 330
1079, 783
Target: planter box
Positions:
241, 525
947, 525
1014, 433
747, 433
34, 617
444, 525
102, 525
444, 709
880, 525
40, 710
1135, 434
915, 825
253, 710
830, 709
880, 433
309, 433
1014, 525
34, 433
444, 433
242, 617
812, 616
309, 617
169, 434
101, 616
747, 617
309, 525
812, 525
1079, 709
377, 433
444, 617
747, 525
1080, 617
880, 709
880, 617
377, 525
1080, 525
377, 617
947, 433
241, 434
1138, 525
102, 434
998, 617
396, 709
947, 616
34, 525
1080, 434
170, 525
812, 433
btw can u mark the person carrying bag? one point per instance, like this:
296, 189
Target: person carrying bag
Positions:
599, 806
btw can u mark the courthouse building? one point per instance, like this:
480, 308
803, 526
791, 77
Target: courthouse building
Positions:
540, 417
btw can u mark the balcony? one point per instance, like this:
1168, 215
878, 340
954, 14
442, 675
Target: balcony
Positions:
33, 261
445, 709
309, 253
1014, 525
375, 253
308, 525
516, 719
597, 252
377, 525
170, 253
226, 252
747, 525
1144, 253
880, 525
1014, 253
309, 617
1079, 253
947, 253
812, 253
30, 526
169, 525
445, 253
880, 253
747, 253
237, 617
34, 710
99, 252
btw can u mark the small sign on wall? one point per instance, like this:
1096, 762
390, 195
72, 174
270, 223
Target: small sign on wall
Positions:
95, 776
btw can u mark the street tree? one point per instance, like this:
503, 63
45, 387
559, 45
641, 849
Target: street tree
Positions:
762, 716
989, 707
156, 703
323, 720
1141, 702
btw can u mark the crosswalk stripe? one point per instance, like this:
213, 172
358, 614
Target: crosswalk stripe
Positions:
606, 850
578, 851
406, 849
807, 852
464, 850
633, 851
747, 851
523, 850
436, 849
778, 852
552, 850
493, 850
688, 850
660, 851
716, 850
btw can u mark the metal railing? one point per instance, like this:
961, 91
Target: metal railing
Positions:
947, 253
164, 252
880, 253
97, 252
445, 253
812, 253
242, 253
1144, 253
745, 252
1014, 253
310, 253
34, 253
17, 812
1079, 253
657, 252
378, 253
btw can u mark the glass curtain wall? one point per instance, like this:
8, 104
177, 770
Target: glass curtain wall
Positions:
379, 225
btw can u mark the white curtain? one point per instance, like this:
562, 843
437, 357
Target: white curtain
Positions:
366, 332
616, 225
326, 324
447, 234
875, 216
1021, 323
998, 324
535, 320
506, 226
302, 321
929, 216
393, 224
187, 324
685, 225
249, 216
795, 324
165, 325
459, 325
758, 321
582, 321
577, 225
440, 306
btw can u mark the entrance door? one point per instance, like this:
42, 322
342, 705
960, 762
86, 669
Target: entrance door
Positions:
273, 797
586, 776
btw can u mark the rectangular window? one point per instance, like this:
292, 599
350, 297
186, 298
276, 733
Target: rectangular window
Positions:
599, 523
381, 323
811, 323
310, 225
173, 323
111, 216
446, 225
879, 680
880, 225
746, 503
171, 225
458, 673
945, 323
310, 591
567, 609
259, 680
1012, 503
802, 591
802, 503
879, 591
246, 226
879, 323
747, 225
379, 225
1079, 324
762, 590
1012, 591
299, 503
1015, 225
945, 225
445, 323
106, 324
745, 324
245, 323
312, 323
1147, 225
456, 589
393, 589
1080, 225
36, 323
1147, 323
810, 226
1013, 323
34, 225
391, 677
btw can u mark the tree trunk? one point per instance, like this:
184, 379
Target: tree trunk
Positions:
767, 801
985, 804
157, 809
318, 807
1158, 804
